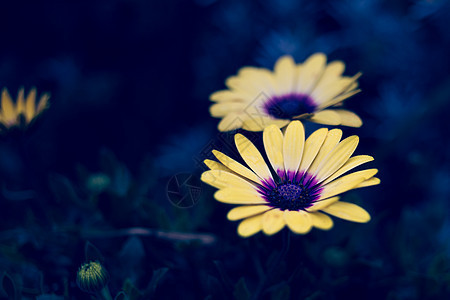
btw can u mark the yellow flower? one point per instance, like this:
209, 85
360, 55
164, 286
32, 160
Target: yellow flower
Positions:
305, 180
92, 277
23, 111
257, 97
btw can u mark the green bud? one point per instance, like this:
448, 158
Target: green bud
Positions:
92, 277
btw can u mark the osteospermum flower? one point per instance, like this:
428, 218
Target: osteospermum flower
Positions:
257, 97
23, 111
304, 182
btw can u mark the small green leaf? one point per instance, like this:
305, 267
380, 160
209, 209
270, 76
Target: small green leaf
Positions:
156, 278
121, 296
241, 291
131, 290
91, 253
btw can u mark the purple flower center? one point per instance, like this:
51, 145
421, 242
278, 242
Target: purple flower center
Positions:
289, 106
296, 194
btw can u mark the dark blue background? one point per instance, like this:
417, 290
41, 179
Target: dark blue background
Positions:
129, 84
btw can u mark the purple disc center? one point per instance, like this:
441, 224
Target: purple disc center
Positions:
296, 192
289, 106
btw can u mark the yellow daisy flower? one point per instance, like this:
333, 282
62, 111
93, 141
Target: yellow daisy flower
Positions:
257, 97
305, 180
23, 111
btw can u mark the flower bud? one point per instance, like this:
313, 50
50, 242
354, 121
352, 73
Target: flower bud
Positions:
92, 277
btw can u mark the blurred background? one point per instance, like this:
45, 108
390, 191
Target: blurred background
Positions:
129, 84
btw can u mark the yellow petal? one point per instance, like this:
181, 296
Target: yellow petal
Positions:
368, 182
332, 90
43, 103
252, 157
273, 143
250, 226
348, 211
326, 117
312, 147
285, 74
230, 122
227, 96
353, 162
30, 105
272, 221
310, 72
294, 140
20, 104
346, 183
337, 158
329, 144
242, 212
298, 221
348, 118
222, 179
337, 99
321, 221
259, 123
332, 72
214, 165
254, 81
8, 110
238, 196
318, 205
235, 166
222, 109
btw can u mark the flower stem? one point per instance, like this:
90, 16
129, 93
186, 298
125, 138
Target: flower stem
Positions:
104, 294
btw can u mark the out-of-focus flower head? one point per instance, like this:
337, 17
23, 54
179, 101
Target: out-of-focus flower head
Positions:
306, 179
23, 111
257, 97
92, 277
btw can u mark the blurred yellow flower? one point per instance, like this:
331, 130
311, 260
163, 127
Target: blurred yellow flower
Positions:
257, 97
305, 180
23, 110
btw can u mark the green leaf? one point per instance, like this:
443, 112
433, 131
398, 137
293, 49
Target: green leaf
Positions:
156, 278
8, 287
241, 291
121, 296
131, 290
91, 253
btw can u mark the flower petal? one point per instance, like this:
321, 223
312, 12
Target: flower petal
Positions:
273, 144
222, 109
30, 105
223, 179
293, 143
310, 72
348, 211
252, 157
352, 162
326, 117
250, 226
346, 183
348, 118
318, 205
332, 90
338, 99
260, 122
284, 74
230, 122
235, 166
329, 144
238, 196
43, 103
242, 212
298, 221
337, 157
368, 182
321, 221
312, 147
214, 165
272, 221
8, 110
